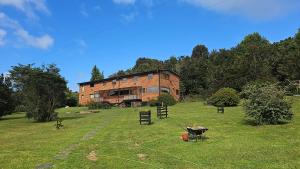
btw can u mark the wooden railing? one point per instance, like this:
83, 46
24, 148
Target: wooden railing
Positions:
131, 97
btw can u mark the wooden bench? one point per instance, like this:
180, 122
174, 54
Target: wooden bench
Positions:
162, 112
145, 117
220, 109
59, 123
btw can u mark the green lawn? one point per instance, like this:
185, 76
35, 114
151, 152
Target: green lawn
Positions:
117, 140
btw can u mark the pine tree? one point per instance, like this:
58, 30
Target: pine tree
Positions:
96, 75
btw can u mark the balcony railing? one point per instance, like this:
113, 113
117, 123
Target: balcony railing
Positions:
131, 97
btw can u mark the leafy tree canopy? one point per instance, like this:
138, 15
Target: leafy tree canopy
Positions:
42, 88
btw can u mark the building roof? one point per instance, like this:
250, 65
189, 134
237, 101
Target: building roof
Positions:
127, 76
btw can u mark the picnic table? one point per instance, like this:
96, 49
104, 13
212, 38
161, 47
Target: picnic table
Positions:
196, 132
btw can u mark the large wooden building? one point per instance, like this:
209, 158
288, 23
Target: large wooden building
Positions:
128, 89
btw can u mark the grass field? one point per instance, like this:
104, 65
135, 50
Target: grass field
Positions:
114, 139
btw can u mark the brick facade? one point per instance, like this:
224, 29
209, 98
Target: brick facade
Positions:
141, 87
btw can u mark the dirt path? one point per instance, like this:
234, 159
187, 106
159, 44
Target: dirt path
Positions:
64, 153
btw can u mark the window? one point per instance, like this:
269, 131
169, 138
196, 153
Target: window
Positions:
114, 82
82, 96
152, 90
135, 78
165, 90
144, 90
177, 92
120, 92
97, 95
150, 76
82, 89
92, 85
124, 79
91, 96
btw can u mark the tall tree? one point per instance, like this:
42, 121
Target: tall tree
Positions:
146, 64
6, 98
172, 64
194, 71
43, 90
252, 60
96, 74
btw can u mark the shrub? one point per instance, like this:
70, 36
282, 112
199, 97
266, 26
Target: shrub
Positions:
224, 97
251, 87
167, 99
154, 103
97, 105
268, 105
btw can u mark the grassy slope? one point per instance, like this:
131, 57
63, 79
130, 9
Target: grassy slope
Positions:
116, 136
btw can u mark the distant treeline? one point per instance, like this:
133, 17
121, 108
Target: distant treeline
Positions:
253, 59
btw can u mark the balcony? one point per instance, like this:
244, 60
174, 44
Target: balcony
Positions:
131, 97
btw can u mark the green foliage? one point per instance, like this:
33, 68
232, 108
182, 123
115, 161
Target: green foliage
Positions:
166, 99
224, 97
42, 90
71, 98
251, 87
194, 72
253, 59
146, 64
98, 105
154, 102
6, 100
268, 105
96, 74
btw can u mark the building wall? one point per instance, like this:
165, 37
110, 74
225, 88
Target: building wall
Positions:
142, 82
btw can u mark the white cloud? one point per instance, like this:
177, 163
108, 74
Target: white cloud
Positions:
124, 2
255, 9
82, 45
129, 17
83, 10
2, 36
29, 7
41, 42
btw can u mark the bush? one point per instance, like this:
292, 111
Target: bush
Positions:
224, 97
154, 103
96, 105
251, 87
268, 105
167, 99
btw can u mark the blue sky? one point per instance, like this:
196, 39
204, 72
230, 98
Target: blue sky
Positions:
77, 34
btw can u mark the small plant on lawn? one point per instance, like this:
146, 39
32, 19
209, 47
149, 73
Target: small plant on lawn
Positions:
96, 105
224, 97
268, 105
167, 99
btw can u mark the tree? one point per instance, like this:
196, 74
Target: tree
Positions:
268, 105
42, 88
172, 64
6, 99
200, 52
253, 56
96, 75
194, 71
71, 98
146, 64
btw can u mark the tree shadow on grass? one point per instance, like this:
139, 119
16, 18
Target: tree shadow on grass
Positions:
12, 118
251, 122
